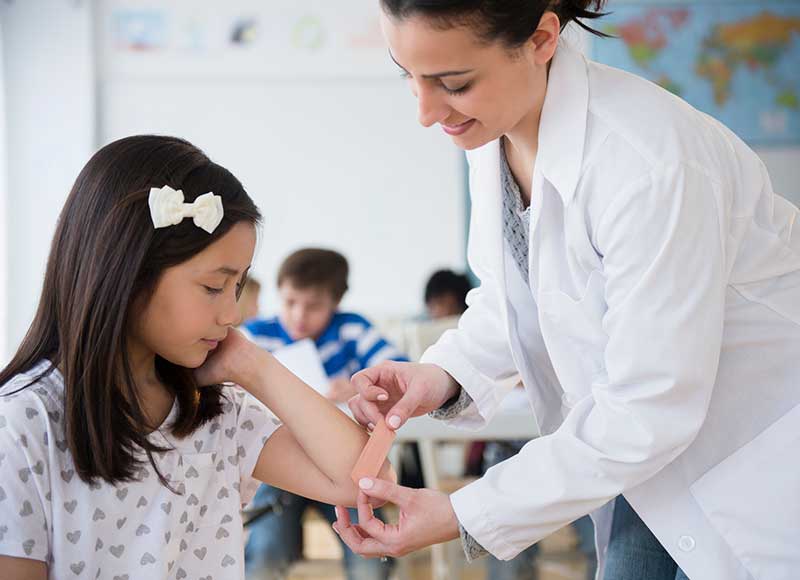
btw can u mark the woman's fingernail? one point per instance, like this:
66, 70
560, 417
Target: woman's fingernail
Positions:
365, 483
394, 421
383, 397
370, 426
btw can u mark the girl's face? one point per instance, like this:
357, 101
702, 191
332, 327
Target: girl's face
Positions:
476, 91
195, 303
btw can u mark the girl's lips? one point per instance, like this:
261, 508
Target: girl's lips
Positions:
454, 130
212, 344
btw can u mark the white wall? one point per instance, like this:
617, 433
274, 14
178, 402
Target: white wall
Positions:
326, 142
341, 164
49, 100
3, 214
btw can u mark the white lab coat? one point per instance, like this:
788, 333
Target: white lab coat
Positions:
658, 338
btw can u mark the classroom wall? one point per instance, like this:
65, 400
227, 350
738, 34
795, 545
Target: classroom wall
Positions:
50, 113
340, 164
3, 211
285, 139
324, 139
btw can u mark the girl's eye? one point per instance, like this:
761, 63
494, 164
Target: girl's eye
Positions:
212, 290
459, 91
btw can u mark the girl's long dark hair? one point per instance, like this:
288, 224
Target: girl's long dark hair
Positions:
106, 256
512, 22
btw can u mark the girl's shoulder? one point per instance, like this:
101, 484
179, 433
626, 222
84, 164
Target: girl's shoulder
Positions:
32, 399
237, 402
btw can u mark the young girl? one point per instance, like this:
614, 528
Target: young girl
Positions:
124, 455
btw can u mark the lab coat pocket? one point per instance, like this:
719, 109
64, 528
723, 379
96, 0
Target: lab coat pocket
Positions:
573, 332
752, 498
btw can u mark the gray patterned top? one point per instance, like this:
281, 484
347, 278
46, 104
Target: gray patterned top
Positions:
138, 529
516, 217
516, 226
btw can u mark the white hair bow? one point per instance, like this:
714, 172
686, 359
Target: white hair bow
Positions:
167, 208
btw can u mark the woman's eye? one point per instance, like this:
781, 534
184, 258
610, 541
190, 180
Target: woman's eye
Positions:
459, 91
212, 290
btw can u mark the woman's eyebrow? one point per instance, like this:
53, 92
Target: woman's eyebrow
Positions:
449, 73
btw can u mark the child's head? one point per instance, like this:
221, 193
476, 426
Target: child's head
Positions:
446, 294
120, 294
311, 283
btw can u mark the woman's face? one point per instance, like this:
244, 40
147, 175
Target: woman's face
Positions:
476, 91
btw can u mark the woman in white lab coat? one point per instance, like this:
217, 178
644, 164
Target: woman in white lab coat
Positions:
642, 281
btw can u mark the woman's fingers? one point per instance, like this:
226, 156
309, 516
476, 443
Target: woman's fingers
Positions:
386, 490
405, 408
367, 521
365, 412
351, 535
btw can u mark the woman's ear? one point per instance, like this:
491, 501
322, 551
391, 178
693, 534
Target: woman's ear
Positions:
543, 42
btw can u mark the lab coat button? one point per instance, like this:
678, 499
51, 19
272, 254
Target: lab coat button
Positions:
686, 543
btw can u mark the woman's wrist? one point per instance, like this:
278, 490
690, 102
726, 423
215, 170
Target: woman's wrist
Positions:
452, 390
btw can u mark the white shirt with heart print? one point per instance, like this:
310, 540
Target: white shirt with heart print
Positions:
132, 531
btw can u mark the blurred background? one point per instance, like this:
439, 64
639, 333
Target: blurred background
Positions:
299, 99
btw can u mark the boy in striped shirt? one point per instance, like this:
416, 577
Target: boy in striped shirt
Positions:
311, 284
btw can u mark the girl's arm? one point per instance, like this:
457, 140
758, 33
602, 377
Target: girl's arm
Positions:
315, 450
22, 568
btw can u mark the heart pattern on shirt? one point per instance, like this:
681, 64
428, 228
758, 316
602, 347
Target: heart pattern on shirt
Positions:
107, 557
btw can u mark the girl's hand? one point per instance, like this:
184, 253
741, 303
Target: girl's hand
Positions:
235, 360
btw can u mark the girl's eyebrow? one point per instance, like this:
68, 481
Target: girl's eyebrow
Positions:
449, 73
227, 270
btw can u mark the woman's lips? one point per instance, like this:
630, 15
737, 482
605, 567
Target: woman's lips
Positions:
460, 129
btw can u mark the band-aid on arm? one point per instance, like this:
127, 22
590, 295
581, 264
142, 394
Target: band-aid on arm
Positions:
374, 453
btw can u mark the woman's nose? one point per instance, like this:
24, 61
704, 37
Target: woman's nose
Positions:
430, 107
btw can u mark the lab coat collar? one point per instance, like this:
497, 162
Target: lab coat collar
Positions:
562, 128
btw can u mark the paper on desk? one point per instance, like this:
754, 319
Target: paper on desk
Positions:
302, 358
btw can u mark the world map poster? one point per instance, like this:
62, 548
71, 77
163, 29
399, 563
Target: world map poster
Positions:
737, 61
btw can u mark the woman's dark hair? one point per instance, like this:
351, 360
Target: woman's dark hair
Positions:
512, 22
105, 256
444, 282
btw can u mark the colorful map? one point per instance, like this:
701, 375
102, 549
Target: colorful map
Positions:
737, 61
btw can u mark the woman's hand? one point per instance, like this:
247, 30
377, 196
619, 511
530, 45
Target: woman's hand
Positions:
235, 360
340, 391
399, 391
426, 518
